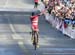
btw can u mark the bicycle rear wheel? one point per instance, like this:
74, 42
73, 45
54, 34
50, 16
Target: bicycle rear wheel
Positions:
35, 39
35, 42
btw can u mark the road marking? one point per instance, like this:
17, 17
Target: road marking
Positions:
21, 15
21, 45
15, 36
58, 49
58, 53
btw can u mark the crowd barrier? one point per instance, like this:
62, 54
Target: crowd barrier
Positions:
59, 25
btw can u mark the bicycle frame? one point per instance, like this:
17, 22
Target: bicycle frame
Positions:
35, 37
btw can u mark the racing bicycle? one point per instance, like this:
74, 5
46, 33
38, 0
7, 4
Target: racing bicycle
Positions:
35, 39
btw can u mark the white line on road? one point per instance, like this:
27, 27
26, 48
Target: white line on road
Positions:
58, 49
16, 36
58, 53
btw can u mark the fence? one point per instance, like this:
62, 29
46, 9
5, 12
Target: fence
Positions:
66, 28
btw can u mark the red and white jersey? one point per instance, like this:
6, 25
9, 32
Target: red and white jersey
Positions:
34, 20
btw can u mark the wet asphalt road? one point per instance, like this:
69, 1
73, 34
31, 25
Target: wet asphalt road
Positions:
15, 37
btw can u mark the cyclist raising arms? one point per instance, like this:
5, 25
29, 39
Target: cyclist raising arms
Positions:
34, 26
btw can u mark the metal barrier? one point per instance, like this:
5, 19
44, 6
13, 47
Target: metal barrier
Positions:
60, 25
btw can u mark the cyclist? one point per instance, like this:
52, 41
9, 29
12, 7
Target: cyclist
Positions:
34, 26
36, 3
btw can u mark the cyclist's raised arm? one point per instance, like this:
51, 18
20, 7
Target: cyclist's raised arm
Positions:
43, 12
